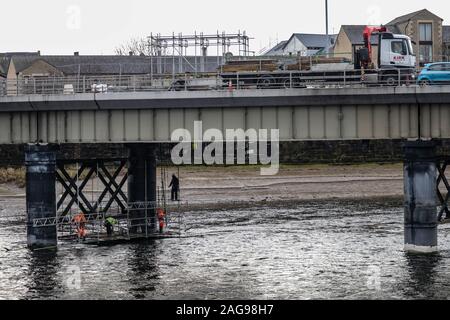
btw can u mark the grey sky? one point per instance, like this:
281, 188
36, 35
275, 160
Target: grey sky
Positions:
97, 27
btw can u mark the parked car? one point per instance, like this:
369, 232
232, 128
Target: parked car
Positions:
435, 73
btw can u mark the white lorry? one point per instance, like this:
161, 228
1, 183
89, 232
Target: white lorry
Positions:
396, 65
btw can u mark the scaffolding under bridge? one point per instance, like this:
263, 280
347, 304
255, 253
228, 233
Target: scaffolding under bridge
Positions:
90, 192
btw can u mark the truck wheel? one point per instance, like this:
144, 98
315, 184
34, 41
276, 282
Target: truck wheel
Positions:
391, 81
266, 82
287, 83
177, 86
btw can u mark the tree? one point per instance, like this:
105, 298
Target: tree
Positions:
136, 46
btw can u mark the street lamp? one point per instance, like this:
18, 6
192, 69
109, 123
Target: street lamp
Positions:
326, 17
327, 49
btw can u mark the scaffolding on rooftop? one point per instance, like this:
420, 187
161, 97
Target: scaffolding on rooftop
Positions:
180, 47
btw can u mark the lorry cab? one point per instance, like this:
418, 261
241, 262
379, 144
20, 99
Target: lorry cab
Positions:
396, 51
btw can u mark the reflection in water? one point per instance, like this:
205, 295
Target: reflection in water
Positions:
143, 268
43, 273
422, 269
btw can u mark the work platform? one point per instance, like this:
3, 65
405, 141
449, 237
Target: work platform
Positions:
105, 240
67, 227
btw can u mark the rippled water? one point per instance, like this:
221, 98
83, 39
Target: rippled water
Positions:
310, 251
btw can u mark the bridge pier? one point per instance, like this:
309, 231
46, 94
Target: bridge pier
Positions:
40, 161
420, 180
142, 187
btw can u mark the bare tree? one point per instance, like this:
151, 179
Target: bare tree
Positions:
136, 46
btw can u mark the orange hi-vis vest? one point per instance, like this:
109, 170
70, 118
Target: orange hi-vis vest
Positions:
80, 220
161, 215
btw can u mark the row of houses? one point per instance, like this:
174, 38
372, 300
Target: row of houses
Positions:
31, 72
33, 64
431, 40
430, 37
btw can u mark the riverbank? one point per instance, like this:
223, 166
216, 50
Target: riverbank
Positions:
12, 176
243, 185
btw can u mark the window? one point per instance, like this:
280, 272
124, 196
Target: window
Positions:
436, 67
399, 47
425, 32
426, 53
425, 43
440, 67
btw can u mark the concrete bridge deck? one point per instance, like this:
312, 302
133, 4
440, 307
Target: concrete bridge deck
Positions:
300, 114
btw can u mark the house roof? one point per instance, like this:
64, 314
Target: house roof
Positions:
5, 58
276, 48
4, 63
314, 40
446, 34
410, 16
93, 64
355, 33
22, 62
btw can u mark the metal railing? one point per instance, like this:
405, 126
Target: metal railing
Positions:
319, 79
205, 82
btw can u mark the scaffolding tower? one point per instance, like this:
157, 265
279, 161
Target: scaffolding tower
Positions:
180, 47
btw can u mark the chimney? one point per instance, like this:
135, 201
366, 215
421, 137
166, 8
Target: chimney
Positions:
76, 53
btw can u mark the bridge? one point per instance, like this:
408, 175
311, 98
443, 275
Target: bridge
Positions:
299, 114
144, 120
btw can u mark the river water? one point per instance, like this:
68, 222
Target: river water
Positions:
318, 250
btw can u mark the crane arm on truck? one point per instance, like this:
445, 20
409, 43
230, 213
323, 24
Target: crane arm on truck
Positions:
366, 61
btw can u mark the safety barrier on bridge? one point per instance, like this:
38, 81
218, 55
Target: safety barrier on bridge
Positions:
200, 82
